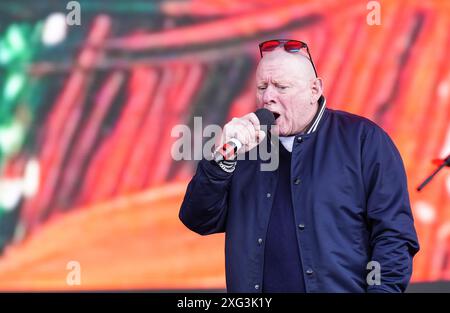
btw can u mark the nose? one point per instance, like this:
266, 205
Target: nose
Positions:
269, 95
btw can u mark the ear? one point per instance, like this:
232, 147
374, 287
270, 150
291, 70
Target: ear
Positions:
316, 89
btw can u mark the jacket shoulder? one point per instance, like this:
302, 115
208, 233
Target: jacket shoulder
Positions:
354, 121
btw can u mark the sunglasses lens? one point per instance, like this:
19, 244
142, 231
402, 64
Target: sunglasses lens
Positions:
270, 45
293, 46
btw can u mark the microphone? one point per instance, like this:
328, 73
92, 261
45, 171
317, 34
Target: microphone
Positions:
441, 164
229, 149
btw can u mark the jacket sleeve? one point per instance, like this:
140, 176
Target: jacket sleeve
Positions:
205, 204
393, 237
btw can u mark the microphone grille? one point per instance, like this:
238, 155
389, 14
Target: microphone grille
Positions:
265, 117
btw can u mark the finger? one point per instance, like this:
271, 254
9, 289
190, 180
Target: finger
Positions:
254, 120
251, 129
245, 131
257, 140
229, 131
261, 135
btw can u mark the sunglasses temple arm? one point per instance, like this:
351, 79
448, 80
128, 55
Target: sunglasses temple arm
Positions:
312, 63
314, 67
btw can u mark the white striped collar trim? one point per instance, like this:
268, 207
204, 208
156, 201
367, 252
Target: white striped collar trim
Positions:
322, 104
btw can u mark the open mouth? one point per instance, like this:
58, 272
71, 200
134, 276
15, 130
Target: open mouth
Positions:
276, 115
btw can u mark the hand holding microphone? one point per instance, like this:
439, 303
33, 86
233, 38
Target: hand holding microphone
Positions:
243, 134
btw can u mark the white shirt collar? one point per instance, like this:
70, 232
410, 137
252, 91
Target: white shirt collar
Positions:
288, 142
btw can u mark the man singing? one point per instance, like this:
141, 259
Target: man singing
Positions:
336, 208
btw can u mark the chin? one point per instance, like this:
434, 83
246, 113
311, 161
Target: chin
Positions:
282, 129
282, 132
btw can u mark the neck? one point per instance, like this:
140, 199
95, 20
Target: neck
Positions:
311, 116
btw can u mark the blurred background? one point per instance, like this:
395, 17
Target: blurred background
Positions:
88, 102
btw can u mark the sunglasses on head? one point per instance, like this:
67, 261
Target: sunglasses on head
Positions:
289, 45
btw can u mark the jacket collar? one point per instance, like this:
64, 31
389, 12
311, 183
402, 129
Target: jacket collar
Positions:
312, 127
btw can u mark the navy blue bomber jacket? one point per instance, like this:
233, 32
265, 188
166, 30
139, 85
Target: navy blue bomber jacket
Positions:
350, 200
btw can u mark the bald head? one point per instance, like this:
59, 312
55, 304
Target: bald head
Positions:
292, 64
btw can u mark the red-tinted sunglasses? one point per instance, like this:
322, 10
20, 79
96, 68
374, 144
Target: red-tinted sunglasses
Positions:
288, 44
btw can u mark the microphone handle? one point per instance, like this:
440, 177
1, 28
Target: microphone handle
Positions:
228, 150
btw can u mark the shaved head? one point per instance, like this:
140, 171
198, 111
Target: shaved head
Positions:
295, 64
